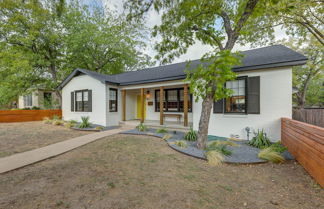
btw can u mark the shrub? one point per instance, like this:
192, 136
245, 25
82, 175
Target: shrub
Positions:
271, 155
55, 117
26, 108
99, 128
57, 122
214, 157
191, 135
167, 136
141, 127
161, 131
47, 120
70, 123
260, 140
35, 108
219, 147
278, 147
181, 143
85, 122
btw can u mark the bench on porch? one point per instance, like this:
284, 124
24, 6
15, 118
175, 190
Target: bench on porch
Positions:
178, 116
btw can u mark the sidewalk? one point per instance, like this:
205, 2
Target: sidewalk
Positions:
26, 158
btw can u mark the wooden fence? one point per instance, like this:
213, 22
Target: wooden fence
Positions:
27, 115
311, 116
306, 143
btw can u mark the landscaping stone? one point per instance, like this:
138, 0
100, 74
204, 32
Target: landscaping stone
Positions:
240, 154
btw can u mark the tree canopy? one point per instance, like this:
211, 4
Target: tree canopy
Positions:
43, 41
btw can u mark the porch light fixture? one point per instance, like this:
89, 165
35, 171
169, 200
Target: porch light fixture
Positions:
148, 95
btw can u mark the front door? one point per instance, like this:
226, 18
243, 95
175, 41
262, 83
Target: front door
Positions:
139, 105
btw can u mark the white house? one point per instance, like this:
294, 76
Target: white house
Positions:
263, 95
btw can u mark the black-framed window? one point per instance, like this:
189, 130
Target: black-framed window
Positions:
82, 101
113, 100
28, 100
48, 97
237, 102
173, 100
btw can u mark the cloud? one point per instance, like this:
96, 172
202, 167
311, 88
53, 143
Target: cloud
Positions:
195, 51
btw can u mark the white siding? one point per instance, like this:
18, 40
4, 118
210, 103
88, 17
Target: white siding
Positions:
98, 114
113, 118
275, 103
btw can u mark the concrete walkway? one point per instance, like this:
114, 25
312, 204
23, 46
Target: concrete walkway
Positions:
26, 158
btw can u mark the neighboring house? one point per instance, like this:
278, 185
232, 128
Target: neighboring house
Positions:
262, 95
40, 98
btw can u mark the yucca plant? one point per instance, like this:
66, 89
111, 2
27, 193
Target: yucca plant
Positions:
270, 155
260, 140
214, 157
141, 127
161, 131
181, 143
85, 122
191, 135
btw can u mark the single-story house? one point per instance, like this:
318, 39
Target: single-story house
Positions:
262, 95
39, 98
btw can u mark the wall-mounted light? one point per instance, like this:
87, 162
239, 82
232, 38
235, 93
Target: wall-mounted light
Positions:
148, 95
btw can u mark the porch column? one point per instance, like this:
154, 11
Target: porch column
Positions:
142, 105
185, 105
123, 105
161, 104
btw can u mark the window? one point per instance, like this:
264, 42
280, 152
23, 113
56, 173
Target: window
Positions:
28, 100
113, 97
173, 100
82, 101
48, 97
237, 102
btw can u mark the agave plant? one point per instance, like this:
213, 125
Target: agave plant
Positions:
260, 140
191, 135
85, 122
141, 127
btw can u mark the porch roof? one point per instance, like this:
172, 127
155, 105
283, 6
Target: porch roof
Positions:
255, 59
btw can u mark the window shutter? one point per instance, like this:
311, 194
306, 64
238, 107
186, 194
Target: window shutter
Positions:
218, 106
72, 101
90, 100
253, 99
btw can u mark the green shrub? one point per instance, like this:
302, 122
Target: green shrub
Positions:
55, 117
85, 122
70, 123
278, 147
214, 157
57, 122
35, 108
99, 128
191, 135
26, 108
270, 155
47, 120
167, 136
141, 127
161, 131
216, 146
260, 140
181, 143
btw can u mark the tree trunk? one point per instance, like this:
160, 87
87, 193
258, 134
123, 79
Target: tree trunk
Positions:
302, 95
207, 105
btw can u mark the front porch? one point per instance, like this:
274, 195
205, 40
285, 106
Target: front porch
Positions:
167, 105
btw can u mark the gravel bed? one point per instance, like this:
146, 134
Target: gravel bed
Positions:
243, 153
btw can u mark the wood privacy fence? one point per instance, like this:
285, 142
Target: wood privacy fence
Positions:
27, 115
311, 116
306, 143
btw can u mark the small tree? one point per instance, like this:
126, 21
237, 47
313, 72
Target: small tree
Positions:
220, 24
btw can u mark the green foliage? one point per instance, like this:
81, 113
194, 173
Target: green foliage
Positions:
278, 147
191, 135
141, 127
260, 140
219, 147
35, 108
161, 131
85, 122
214, 157
271, 155
57, 122
221, 142
70, 123
55, 117
181, 143
47, 120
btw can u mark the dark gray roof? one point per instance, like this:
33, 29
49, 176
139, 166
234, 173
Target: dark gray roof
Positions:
255, 59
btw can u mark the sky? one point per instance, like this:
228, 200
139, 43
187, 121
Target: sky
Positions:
194, 52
